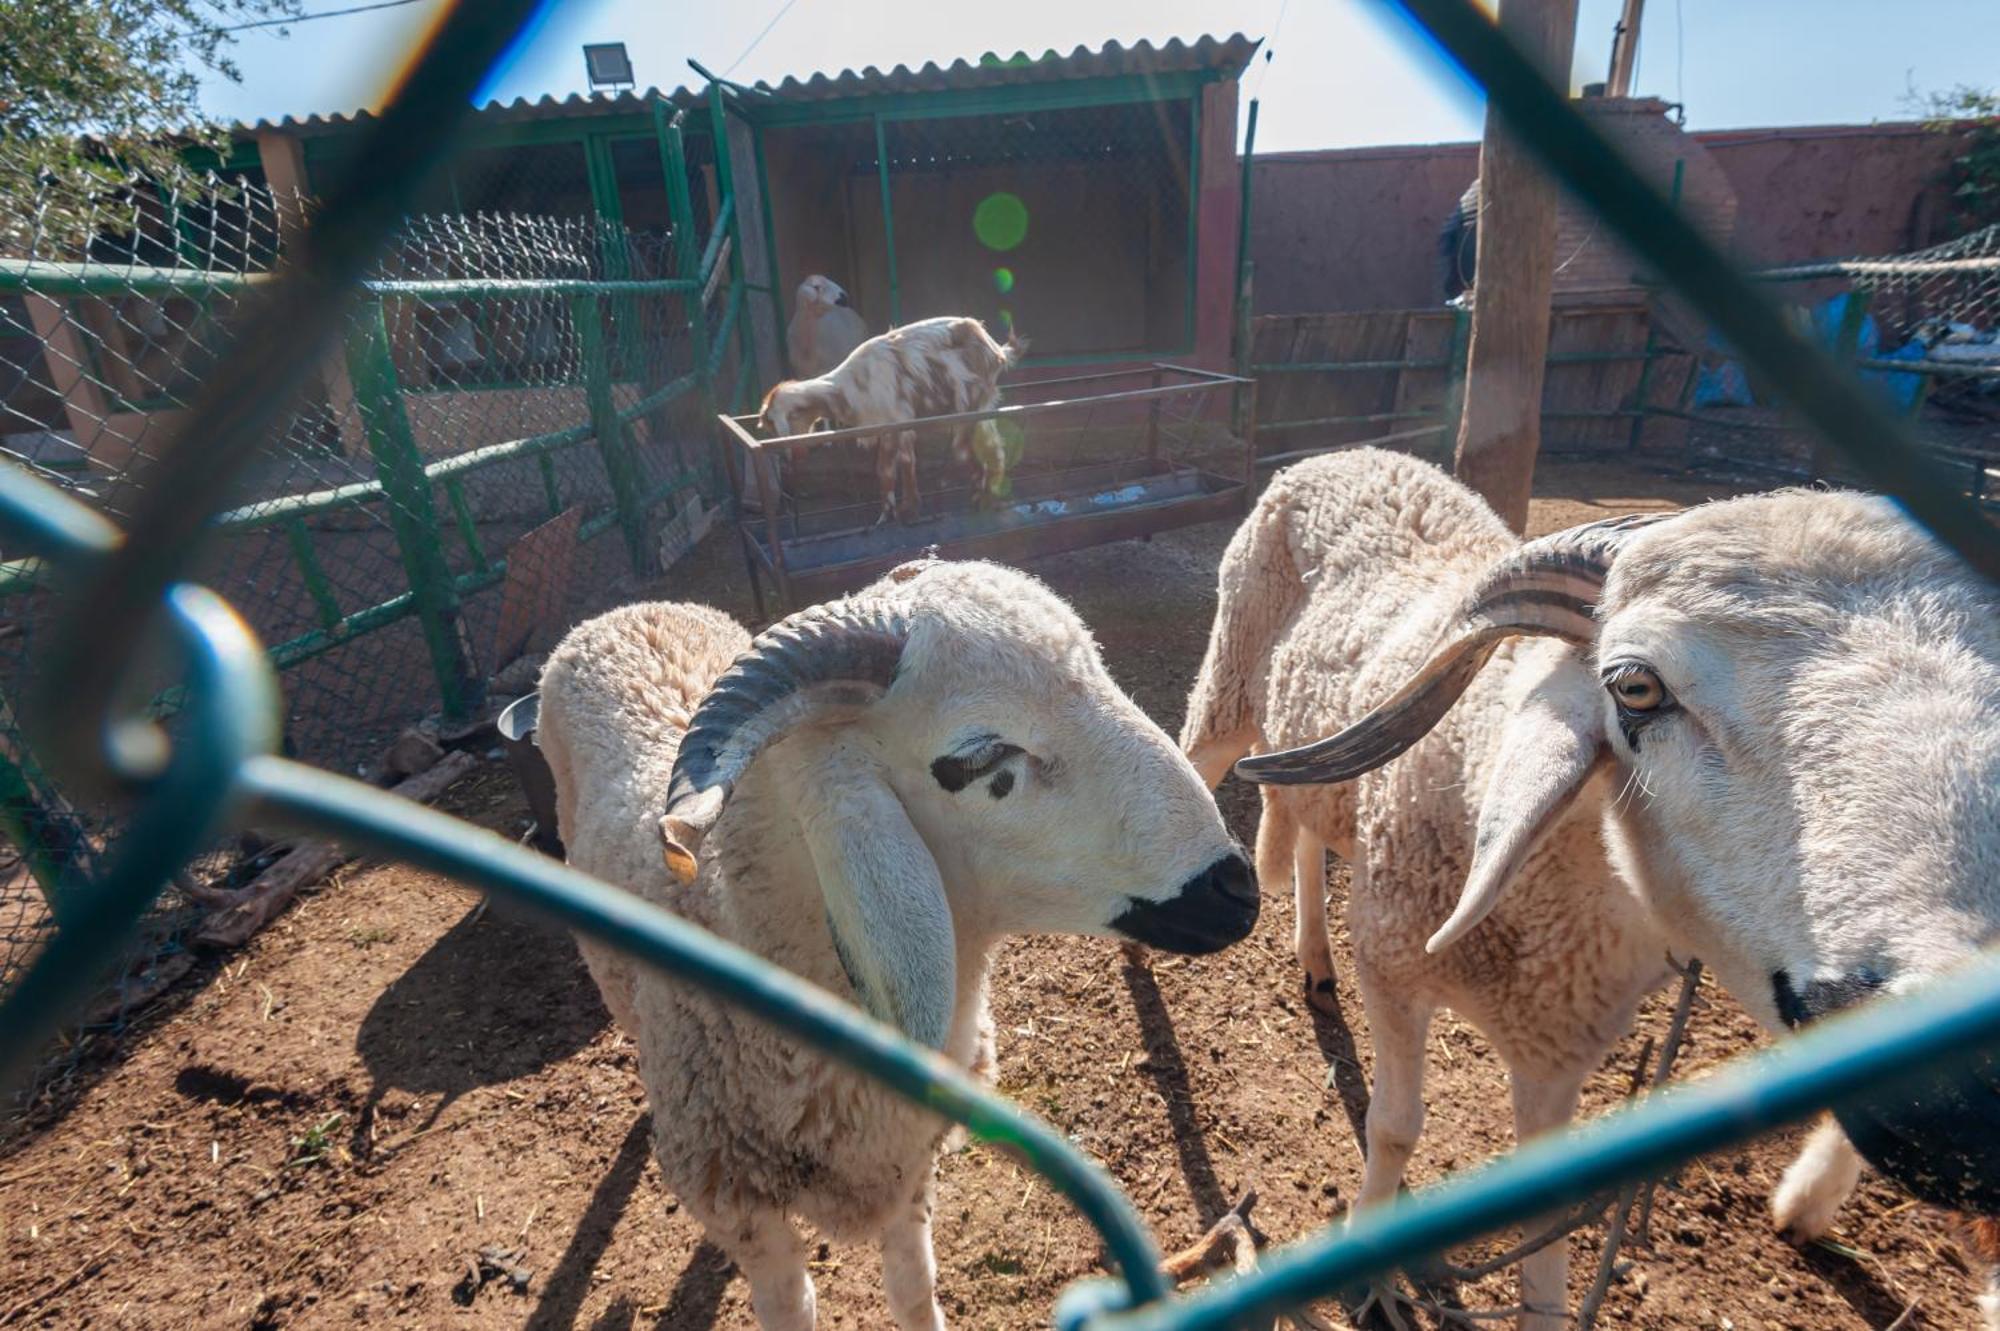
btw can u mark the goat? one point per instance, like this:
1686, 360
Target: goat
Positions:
934, 367
825, 329
872, 796
1787, 697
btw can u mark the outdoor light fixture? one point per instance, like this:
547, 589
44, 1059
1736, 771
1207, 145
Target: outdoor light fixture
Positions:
607, 65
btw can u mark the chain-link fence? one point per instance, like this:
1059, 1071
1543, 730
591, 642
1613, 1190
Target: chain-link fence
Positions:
1922, 331
514, 426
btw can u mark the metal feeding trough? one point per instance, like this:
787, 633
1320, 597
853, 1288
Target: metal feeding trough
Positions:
1058, 504
531, 770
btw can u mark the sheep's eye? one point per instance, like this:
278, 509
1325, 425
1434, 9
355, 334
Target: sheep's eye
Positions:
1637, 689
956, 771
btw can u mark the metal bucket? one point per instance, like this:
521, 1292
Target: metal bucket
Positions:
531, 770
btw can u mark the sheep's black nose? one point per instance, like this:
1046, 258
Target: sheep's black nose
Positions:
1937, 1133
1213, 909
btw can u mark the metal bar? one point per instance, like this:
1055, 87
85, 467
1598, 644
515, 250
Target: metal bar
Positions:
1153, 426
1345, 366
680, 208
307, 559
468, 529
659, 397
1012, 411
618, 462
713, 250
399, 468
775, 289
1874, 441
1829, 1062
1372, 418
725, 188
1805, 272
1194, 217
361, 815
1927, 368
51, 843
946, 104
266, 511
888, 221
47, 277
550, 490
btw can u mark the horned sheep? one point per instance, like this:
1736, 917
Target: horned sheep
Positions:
934, 367
871, 795
1760, 732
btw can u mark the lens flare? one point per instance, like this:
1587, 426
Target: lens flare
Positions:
1003, 280
1000, 221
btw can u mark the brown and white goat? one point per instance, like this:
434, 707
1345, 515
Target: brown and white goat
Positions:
934, 367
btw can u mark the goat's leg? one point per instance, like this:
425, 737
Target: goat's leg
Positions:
1399, 1025
909, 1266
1309, 940
1815, 1184
908, 506
1544, 1104
885, 477
772, 1257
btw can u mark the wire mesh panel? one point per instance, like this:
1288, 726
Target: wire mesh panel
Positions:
1922, 331
490, 453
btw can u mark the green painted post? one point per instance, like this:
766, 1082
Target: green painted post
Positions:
1188, 314
687, 246
725, 185
399, 467
776, 293
550, 491
618, 462
315, 577
889, 224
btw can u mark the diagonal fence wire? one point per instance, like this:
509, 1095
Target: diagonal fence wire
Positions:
218, 766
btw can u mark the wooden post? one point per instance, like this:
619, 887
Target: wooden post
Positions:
1624, 50
1500, 431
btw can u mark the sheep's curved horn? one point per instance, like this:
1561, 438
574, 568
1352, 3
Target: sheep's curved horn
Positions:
1548, 588
826, 659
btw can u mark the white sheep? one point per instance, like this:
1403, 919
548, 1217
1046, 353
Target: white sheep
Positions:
934, 367
1332, 591
873, 795
1779, 710
825, 328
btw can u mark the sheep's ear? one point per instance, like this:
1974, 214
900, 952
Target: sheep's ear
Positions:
885, 902
1552, 744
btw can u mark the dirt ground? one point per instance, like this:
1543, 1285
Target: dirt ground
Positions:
324, 1128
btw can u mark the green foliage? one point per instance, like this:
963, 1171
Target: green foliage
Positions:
96, 92
1972, 115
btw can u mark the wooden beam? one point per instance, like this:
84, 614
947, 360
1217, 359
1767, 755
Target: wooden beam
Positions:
1625, 50
1500, 430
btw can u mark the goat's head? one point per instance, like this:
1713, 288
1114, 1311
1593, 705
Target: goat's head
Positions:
792, 407
820, 293
960, 762
1796, 694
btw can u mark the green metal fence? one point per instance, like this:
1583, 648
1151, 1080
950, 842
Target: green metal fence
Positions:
512, 416
215, 765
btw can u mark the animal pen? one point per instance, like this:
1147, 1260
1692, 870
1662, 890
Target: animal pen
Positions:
99, 567
1081, 480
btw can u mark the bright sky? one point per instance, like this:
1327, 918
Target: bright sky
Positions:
1343, 72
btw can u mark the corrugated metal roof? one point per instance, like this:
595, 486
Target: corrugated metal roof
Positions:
1229, 56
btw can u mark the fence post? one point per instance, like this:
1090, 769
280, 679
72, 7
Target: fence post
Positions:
618, 464
399, 466
725, 187
687, 243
